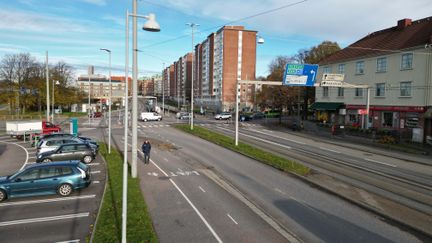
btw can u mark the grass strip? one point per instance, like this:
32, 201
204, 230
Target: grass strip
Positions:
248, 150
139, 223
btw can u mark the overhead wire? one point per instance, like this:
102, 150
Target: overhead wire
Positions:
227, 23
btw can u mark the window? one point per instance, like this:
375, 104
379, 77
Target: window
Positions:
326, 70
406, 62
380, 90
68, 148
359, 92
47, 172
387, 119
340, 91
341, 68
29, 175
381, 65
405, 89
360, 67
325, 91
66, 170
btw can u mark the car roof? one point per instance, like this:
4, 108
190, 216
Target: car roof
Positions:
55, 163
66, 144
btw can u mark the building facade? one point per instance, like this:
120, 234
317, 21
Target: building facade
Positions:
396, 66
220, 60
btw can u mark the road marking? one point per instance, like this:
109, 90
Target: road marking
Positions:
291, 140
190, 203
165, 159
47, 200
94, 164
27, 155
378, 162
68, 241
331, 150
32, 157
95, 182
232, 218
201, 189
263, 140
44, 219
95, 172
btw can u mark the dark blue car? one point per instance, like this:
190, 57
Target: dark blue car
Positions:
45, 179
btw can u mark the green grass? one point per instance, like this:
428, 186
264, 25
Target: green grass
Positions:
248, 150
139, 223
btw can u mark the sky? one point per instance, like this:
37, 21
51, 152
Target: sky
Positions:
73, 31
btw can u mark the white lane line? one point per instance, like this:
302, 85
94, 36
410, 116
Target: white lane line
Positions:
232, 219
331, 150
95, 182
68, 241
47, 200
379, 162
190, 203
291, 140
166, 160
95, 172
201, 189
94, 164
259, 139
27, 155
32, 157
44, 219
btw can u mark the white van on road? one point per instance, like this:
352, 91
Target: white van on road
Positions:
150, 116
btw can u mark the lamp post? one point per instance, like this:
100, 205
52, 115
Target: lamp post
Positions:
150, 25
47, 88
53, 111
192, 25
163, 89
110, 99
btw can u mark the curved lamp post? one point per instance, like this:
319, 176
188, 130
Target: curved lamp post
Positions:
110, 98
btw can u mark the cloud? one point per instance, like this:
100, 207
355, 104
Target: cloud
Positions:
31, 21
325, 19
95, 2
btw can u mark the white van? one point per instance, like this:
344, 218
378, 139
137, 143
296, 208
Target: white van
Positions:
150, 116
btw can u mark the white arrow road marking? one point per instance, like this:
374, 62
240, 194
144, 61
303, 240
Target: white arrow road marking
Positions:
44, 219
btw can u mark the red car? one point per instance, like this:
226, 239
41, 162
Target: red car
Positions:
96, 114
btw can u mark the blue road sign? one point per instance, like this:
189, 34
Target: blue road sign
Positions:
300, 74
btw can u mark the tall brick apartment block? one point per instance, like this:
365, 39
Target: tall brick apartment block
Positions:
222, 58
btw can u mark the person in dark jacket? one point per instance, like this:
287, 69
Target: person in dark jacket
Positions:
146, 147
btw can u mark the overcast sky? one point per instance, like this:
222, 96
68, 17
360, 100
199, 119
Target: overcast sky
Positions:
75, 30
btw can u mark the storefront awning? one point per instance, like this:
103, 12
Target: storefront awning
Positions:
326, 106
428, 113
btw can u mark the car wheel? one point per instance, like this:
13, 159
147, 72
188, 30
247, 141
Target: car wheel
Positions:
3, 195
64, 190
46, 160
144, 120
87, 159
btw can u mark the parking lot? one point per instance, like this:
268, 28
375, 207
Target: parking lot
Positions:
47, 218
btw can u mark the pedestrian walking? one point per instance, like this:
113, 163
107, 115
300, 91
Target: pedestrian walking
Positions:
146, 147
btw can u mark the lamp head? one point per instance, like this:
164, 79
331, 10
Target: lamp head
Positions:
151, 24
260, 40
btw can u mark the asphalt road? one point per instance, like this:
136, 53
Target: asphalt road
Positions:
47, 218
300, 211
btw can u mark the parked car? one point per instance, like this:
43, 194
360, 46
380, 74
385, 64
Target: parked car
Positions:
258, 115
46, 145
150, 116
223, 116
45, 179
245, 117
75, 151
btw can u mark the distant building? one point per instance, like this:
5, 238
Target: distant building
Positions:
221, 59
396, 63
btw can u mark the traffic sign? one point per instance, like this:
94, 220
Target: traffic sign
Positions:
333, 77
300, 74
331, 83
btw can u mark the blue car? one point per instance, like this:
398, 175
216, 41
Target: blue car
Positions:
45, 179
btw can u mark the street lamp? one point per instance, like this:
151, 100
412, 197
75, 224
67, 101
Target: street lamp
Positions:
150, 25
110, 100
53, 111
192, 25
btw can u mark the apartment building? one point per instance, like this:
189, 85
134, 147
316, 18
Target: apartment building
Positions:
219, 61
98, 86
396, 64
